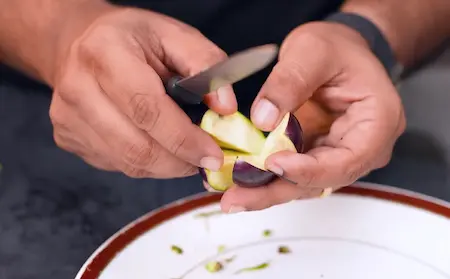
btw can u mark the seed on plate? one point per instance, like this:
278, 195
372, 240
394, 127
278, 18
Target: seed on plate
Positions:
214, 266
176, 249
267, 233
221, 248
284, 250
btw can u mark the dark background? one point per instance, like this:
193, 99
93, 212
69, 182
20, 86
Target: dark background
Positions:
55, 210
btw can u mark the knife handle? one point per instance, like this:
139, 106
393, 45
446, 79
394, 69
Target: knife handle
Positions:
189, 102
180, 95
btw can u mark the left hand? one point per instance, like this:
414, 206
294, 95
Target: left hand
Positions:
332, 65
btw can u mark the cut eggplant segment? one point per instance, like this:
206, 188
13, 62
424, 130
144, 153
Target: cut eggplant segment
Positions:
234, 132
246, 149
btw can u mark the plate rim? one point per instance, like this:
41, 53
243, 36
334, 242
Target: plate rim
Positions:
106, 252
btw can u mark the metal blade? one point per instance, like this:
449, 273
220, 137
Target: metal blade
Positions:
235, 68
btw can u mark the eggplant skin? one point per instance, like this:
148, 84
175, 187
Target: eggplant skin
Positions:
246, 175
203, 174
249, 176
294, 132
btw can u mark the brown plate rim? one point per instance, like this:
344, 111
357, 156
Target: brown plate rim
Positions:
100, 259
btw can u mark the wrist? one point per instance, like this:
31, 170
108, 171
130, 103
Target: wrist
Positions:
374, 37
80, 17
413, 29
33, 33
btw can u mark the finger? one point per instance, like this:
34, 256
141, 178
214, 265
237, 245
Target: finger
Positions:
356, 145
67, 128
222, 101
197, 54
239, 199
326, 166
140, 94
131, 150
104, 165
91, 157
303, 67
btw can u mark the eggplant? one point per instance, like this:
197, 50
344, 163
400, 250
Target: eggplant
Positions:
246, 149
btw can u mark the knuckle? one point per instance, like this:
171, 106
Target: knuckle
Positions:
309, 179
385, 161
63, 144
141, 155
298, 75
189, 170
402, 123
134, 172
145, 112
215, 54
92, 45
68, 92
59, 141
293, 76
210, 56
177, 142
86, 47
56, 115
315, 40
355, 172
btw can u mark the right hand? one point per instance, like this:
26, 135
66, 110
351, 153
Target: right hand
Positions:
109, 104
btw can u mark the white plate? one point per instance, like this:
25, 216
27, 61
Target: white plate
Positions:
363, 231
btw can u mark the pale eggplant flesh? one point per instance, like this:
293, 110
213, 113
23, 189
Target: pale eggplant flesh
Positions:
246, 149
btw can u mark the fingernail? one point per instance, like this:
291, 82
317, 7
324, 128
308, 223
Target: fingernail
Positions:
275, 169
210, 163
266, 113
225, 94
236, 209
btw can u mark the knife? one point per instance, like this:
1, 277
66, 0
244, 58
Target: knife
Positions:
191, 90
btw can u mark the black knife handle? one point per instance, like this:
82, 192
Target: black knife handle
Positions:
189, 102
180, 95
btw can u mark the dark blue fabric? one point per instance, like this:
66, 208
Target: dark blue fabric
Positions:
55, 210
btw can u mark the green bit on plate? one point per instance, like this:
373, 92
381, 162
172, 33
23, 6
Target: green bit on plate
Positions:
214, 266
267, 233
221, 248
253, 268
208, 214
284, 250
176, 249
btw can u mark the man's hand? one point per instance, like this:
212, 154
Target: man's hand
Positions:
331, 65
109, 104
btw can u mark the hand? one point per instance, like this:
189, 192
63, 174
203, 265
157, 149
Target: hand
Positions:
331, 65
109, 105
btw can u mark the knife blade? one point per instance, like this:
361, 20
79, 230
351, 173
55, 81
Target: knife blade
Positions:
191, 90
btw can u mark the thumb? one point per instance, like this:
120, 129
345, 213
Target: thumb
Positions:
189, 53
303, 67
